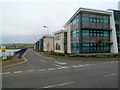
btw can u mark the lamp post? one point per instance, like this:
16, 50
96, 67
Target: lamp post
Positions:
48, 37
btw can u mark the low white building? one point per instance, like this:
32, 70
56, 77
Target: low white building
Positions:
48, 43
60, 41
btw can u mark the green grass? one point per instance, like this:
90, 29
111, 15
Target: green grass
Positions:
11, 48
8, 58
80, 57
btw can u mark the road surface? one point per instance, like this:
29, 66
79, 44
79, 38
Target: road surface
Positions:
41, 72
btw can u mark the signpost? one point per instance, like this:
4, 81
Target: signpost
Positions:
3, 48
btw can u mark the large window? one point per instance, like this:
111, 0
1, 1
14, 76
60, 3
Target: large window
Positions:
95, 46
58, 47
58, 37
106, 46
117, 22
95, 20
75, 33
85, 32
95, 33
86, 19
75, 46
85, 47
106, 33
74, 21
106, 21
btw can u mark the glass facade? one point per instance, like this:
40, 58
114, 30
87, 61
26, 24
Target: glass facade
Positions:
95, 46
74, 33
95, 33
86, 25
74, 21
75, 46
95, 20
117, 26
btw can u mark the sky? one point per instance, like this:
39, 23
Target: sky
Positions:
22, 21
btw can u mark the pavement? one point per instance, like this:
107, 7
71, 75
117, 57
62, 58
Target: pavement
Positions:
41, 72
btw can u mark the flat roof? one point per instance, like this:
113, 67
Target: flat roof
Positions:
48, 36
87, 10
61, 31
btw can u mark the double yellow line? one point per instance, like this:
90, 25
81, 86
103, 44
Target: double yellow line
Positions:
25, 60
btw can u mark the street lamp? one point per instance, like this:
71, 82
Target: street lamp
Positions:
47, 29
48, 37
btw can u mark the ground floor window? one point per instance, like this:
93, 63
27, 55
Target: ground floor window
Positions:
75, 46
58, 47
95, 46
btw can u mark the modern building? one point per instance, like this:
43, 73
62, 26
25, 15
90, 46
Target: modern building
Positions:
48, 43
93, 31
60, 41
36, 45
41, 47
117, 27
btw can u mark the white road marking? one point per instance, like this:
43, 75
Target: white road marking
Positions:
65, 67
73, 66
111, 75
18, 72
43, 60
87, 64
60, 68
59, 84
31, 70
80, 65
60, 63
5, 73
39, 70
57, 65
50, 69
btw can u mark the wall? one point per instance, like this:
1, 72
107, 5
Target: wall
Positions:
60, 42
48, 44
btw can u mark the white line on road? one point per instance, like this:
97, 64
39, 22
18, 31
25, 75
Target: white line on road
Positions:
18, 72
31, 70
43, 60
59, 84
57, 65
74, 66
5, 73
50, 69
65, 67
80, 65
39, 70
61, 63
60, 68
111, 75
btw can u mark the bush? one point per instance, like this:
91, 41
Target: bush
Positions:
53, 53
41, 51
61, 54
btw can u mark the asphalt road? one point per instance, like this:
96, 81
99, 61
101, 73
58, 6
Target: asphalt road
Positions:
41, 72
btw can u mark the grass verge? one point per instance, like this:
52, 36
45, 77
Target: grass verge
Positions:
8, 58
85, 57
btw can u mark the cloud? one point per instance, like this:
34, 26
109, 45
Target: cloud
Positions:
23, 20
